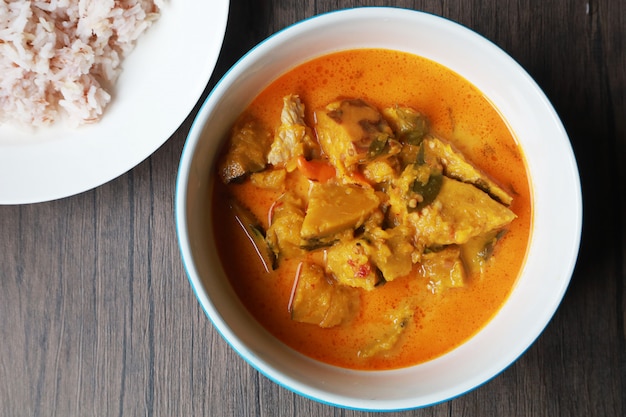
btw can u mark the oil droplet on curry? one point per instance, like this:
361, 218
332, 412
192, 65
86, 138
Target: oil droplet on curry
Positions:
373, 209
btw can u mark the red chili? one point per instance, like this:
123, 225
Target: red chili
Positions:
360, 271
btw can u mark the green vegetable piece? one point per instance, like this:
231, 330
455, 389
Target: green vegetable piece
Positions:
421, 156
413, 137
255, 233
377, 147
428, 191
409, 125
317, 243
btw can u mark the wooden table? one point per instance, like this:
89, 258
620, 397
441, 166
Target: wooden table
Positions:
97, 316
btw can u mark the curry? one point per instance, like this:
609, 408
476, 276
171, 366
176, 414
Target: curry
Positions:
373, 209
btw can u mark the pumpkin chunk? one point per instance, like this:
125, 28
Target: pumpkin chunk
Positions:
444, 269
336, 207
457, 167
392, 251
460, 212
350, 264
293, 138
249, 144
283, 234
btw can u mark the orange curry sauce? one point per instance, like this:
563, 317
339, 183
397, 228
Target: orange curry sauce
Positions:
459, 113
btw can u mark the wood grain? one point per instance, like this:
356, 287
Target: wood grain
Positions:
97, 317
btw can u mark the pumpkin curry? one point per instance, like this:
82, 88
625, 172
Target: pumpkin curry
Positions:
373, 209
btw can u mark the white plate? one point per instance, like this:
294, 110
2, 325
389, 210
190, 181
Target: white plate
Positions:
161, 81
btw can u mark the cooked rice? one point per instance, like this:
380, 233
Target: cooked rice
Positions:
59, 57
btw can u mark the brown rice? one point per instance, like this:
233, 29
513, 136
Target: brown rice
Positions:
58, 58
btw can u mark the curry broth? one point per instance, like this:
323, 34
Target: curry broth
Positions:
457, 112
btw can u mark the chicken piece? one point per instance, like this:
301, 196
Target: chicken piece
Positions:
457, 167
388, 328
293, 138
380, 171
477, 251
318, 299
351, 132
336, 207
443, 269
459, 212
349, 262
249, 144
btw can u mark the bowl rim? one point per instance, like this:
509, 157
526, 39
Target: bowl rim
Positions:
213, 314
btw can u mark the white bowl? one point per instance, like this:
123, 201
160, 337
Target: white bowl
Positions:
555, 192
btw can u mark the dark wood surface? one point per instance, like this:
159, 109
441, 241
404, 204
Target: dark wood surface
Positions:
97, 317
